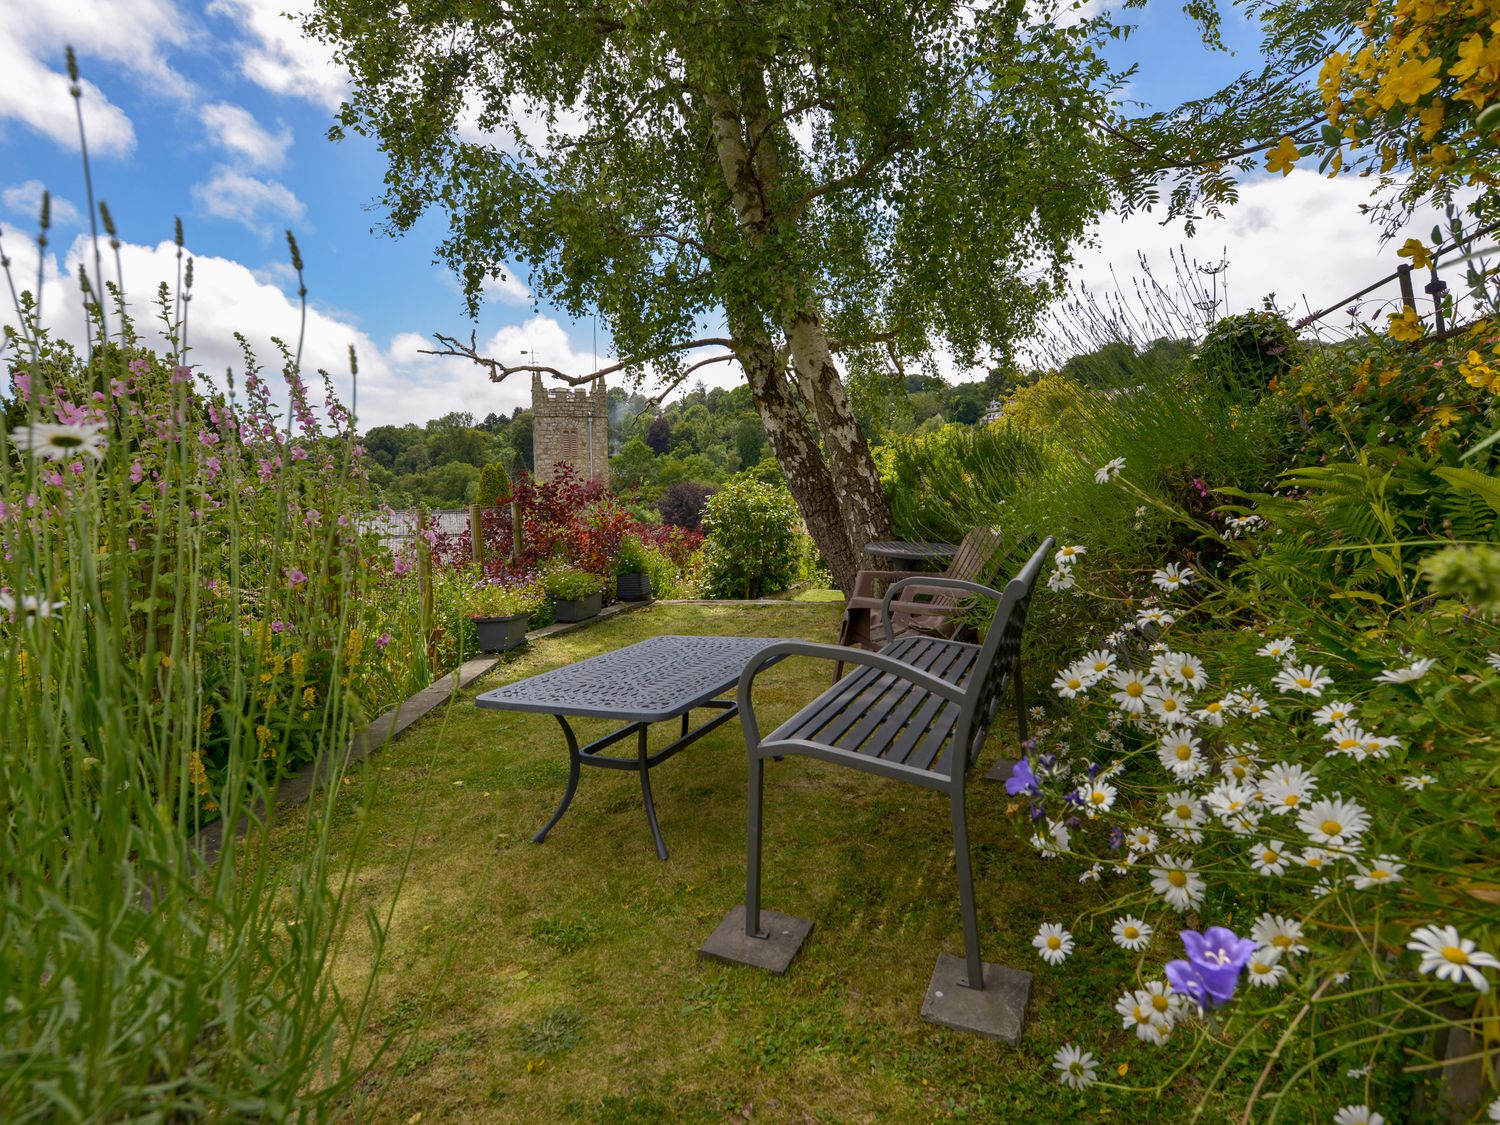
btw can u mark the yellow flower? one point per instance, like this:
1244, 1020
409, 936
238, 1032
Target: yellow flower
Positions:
1405, 325
309, 696
299, 663
1446, 414
1474, 55
1475, 371
196, 773
206, 716
263, 734
1420, 256
1411, 80
1431, 118
1332, 75
1283, 156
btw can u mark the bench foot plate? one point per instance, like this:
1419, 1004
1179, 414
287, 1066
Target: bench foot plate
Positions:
996, 1011
1000, 771
773, 952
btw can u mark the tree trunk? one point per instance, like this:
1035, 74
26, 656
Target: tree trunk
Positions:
796, 449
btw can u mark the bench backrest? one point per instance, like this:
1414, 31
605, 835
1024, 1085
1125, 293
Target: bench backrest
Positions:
999, 659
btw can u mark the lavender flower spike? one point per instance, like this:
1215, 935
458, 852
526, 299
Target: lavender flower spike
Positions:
1212, 969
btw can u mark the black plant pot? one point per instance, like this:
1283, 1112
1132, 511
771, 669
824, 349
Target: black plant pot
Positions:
576, 609
501, 634
634, 587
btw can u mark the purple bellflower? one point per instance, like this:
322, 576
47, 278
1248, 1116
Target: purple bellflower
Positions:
1212, 969
1022, 780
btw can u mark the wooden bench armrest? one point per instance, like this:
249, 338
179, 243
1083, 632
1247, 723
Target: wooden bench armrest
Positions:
936, 583
771, 653
865, 580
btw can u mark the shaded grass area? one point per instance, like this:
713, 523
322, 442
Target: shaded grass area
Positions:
561, 982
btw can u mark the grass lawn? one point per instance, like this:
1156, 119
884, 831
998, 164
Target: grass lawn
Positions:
562, 982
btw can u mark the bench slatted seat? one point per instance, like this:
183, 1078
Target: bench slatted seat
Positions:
916, 711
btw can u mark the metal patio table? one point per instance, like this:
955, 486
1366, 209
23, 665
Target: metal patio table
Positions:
906, 556
653, 681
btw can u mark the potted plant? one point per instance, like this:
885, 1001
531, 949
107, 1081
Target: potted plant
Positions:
576, 594
632, 583
502, 613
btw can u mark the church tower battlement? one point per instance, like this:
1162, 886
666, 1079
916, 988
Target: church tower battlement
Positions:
570, 425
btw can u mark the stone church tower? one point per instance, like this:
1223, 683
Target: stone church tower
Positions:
570, 425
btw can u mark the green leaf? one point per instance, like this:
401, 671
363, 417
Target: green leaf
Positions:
1470, 480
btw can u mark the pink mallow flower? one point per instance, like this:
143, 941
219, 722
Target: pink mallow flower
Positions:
294, 576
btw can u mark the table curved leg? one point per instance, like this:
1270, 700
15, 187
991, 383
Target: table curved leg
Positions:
573, 764
661, 847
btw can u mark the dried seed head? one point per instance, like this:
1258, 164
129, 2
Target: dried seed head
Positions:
73, 71
187, 275
108, 219
177, 231
46, 210
291, 241
353, 361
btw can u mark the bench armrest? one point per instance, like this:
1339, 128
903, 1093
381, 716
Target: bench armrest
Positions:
929, 583
865, 581
771, 653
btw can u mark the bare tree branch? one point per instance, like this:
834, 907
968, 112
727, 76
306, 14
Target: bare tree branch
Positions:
656, 399
499, 370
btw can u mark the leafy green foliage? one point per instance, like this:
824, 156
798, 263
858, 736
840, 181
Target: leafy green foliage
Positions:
494, 485
1249, 349
752, 546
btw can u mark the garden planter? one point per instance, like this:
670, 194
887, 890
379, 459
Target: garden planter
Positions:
633, 587
501, 634
576, 609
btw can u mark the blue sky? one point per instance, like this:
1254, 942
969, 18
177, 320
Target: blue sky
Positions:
217, 112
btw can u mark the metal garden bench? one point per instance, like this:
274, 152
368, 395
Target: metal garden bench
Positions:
917, 711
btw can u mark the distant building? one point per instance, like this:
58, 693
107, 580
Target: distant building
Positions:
570, 425
996, 409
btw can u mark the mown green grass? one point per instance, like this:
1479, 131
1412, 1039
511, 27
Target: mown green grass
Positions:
562, 982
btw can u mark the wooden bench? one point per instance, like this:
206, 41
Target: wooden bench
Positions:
916, 711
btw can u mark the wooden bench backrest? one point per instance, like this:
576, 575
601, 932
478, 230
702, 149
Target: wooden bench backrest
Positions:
999, 658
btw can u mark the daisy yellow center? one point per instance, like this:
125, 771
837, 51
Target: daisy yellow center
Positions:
1290, 799
1214, 708
1177, 878
1239, 772
1098, 796
1456, 955
1184, 752
1348, 743
1075, 683
1100, 666
1131, 933
1331, 827
1160, 1003
1135, 689
1169, 704
1315, 861
1141, 1015
1260, 967
1380, 873
1268, 856
1281, 941
1303, 681
1189, 672
1054, 942
65, 441
1184, 812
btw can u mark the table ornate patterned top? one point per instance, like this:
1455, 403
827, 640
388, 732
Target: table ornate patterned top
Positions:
647, 682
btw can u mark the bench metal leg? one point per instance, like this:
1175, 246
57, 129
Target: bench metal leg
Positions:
973, 966
661, 847
573, 763
752, 857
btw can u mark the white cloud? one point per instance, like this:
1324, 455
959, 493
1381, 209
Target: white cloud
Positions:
25, 201
256, 204
275, 55
132, 34
236, 130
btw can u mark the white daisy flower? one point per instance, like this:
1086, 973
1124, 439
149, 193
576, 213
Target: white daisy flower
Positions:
1075, 1068
1176, 882
1357, 1115
1130, 690
1166, 1003
1253, 707
1097, 798
1269, 858
1417, 781
1154, 615
1109, 470
1308, 679
1238, 768
1316, 859
1099, 663
1070, 682
1053, 943
1141, 840
1091, 875
1212, 713
1067, 556
1265, 969
1493, 660
1169, 705
1493, 1113
1059, 580
1284, 788
1331, 713
1378, 873
1336, 822
27, 605
1184, 813
1130, 933
1189, 672
1283, 649
1380, 746
1173, 578
60, 442
1138, 1015
1182, 755
1358, 1071
1413, 671
1284, 935
1451, 957
1347, 738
